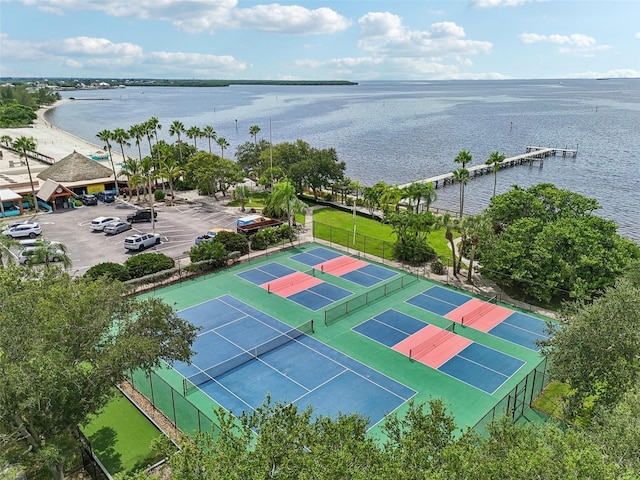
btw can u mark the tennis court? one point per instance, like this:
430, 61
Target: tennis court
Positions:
467, 361
488, 317
350, 268
256, 339
243, 354
300, 287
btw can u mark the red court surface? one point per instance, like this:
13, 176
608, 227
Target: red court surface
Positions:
341, 265
439, 345
290, 284
484, 320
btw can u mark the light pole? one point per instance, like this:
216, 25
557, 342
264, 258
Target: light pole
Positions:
153, 219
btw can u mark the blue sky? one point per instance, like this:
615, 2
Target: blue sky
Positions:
320, 39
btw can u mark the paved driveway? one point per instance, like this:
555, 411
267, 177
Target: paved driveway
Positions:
178, 227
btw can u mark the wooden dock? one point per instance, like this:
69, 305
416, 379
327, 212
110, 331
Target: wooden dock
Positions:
533, 154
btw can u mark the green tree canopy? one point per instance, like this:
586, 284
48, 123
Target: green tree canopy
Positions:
64, 343
546, 243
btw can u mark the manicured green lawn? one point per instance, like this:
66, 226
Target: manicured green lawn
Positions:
550, 400
121, 437
380, 236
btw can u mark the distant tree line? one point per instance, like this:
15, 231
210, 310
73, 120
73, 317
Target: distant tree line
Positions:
18, 104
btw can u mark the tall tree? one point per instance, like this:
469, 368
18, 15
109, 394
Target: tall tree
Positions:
254, 130
495, 159
25, 145
462, 177
223, 144
60, 368
194, 133
106, 136
284, 202
449, 224
151, 128
597, 351
210, 134
121, 137
137, 132
172, 172
177, 129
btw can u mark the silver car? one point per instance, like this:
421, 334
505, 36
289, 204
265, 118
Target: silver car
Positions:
114, 228
23, 230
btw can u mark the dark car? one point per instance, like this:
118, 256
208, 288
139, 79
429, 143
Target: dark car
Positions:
141, 216
88, 199
106, 197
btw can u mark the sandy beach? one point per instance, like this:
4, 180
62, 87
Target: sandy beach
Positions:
51, 142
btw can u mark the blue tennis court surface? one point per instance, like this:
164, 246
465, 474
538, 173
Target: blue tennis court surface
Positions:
522, 329
476, 365
369, 275
315, 256
232, 366
319, 296
266, 273
482, 367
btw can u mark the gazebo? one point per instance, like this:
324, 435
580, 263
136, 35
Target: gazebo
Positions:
10, 203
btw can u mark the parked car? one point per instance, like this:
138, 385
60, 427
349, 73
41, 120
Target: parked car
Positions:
210, 235
55, 253
141, 240
88, 199
98, 223
22, 230
114, 228
143, 215
106, 197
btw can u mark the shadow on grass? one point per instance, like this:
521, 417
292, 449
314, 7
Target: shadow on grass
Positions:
103, 442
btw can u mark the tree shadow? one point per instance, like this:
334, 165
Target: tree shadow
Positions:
103, 442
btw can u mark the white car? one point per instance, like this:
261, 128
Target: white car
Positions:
56, 252
21, 230
141, 240
97, 224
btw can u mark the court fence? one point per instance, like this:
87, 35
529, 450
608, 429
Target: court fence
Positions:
337, 312
358, 242
515, 403
183, 414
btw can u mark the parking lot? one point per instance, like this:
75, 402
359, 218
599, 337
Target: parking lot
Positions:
177, 225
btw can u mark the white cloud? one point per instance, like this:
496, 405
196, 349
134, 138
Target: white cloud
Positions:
210, 15
91, 46
638, 36
291, 19
384, 34
576, 43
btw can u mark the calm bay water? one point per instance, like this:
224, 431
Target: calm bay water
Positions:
398, 132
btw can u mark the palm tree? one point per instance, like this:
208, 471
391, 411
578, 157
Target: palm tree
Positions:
209, 133
24, 145
194, 133
6, 242
495, 159
121, 137
151, 128
177, 128
463, 158
461, 176
222, 143
449, 224
283, 200
106, 136
473, 226
147, 174
171, 171
137, 132
419, 191
242, 193
47, 252
6, 139
129, 168
254, 130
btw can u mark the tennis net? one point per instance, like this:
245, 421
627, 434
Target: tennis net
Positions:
429, 345
200, 378
480, 311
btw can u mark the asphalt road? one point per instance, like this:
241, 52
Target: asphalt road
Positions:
177, 225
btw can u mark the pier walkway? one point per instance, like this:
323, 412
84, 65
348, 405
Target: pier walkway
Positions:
533, 154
